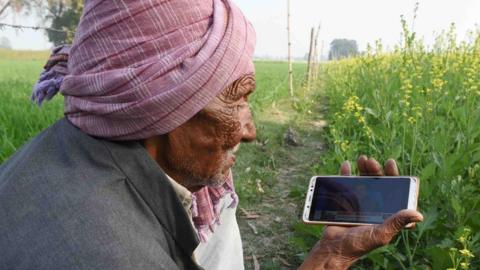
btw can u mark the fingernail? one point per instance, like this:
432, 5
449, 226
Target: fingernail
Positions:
362, 157
390, 161
391, 167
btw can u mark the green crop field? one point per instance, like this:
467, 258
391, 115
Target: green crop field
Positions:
422, 107
19, 118
418, 105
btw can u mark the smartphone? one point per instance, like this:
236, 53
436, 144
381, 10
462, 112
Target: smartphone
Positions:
358, 200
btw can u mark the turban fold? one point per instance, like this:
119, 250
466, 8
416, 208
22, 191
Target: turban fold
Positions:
140, 68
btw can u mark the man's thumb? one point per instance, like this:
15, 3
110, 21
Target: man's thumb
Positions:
394, 224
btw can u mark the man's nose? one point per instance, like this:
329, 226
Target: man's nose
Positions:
249, 132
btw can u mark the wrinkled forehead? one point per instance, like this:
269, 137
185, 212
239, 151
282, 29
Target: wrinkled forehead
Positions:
243, 86
234, 93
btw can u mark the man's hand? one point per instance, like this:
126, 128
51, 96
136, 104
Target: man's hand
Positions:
341, 246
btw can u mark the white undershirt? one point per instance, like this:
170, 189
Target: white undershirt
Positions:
223, 249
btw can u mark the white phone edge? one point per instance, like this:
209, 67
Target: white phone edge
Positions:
412, 198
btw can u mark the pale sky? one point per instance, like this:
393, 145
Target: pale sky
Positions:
364, 21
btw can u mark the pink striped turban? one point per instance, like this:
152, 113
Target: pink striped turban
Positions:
139, 68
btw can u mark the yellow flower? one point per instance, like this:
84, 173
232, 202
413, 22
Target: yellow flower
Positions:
411, 120
361, 119
259, 186
344, 146
405, 101
368, 132
464, 265
466, 253
438, 83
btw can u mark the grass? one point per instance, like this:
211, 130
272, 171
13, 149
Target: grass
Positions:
20, 119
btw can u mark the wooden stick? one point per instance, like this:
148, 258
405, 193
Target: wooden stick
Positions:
290, 71
5, 7
315, 55
256, 264
308, 75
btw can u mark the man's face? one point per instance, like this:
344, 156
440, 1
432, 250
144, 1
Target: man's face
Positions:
202, 151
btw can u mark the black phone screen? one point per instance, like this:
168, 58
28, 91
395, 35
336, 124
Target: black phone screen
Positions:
358, 200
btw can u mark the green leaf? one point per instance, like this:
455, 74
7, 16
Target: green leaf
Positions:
378, 257
438, 257
388, 116
371, 112
428, 171
430, 216
395, 152
457, 207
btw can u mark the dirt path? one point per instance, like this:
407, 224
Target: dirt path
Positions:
268, 226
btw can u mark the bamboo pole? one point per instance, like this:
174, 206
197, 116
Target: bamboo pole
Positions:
290, 71
5, 7
308, 75
315, 54
315, 62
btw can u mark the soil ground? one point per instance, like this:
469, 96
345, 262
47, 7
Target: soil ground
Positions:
268, 225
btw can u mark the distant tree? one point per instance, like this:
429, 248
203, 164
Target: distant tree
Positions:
342, 48
58, 14
14, 5
5, 43
63, 15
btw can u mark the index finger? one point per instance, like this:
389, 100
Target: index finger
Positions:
369, 166
374, 168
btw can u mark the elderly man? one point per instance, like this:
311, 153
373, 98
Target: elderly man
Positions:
137, 175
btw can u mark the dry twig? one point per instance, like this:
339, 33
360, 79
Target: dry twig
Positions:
256, 264
254, 229
249, 215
